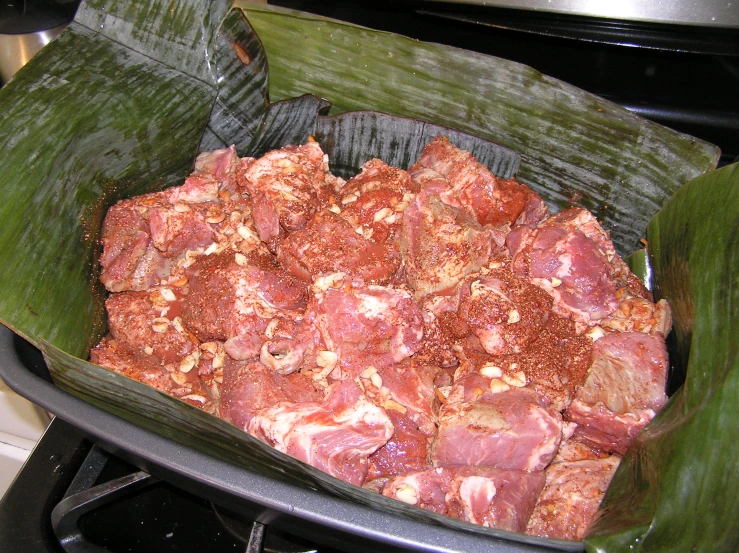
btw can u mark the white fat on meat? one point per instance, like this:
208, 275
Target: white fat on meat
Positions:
475, 492
336, 435
487, 496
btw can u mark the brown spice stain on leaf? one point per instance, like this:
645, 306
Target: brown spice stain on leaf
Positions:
242, 54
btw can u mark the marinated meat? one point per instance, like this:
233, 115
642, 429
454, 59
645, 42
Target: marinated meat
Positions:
148, 369
482, 495
624, 389
433, 335
148, 322
572, 258
213, 171
555, 364
367, 325
129, 260
508, 429
143, 238
505, 312
571, 496
286, 186
409, 387
249, 387
406, 451
242, 300
336, 435
374, 200
441, 245
329, 244
638, 314
462, 181
176, 230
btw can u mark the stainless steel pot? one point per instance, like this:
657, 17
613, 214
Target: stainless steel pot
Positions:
26, 26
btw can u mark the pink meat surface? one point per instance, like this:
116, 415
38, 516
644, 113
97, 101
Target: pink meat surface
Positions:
129, 260
173, 231
509, 430
212, 171
487, 496
432, 335
408, 386
555, 363
336, 435
374, 200
624, 389
369, 325
146, 322
249, 387
236, 299
571, 496
405, 451
144, 237
570, 257
470, 185
286, 187
148, 369
440, 245
329, 244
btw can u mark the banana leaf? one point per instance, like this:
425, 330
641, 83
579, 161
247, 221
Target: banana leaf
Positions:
576, 148
123, 100
676, 488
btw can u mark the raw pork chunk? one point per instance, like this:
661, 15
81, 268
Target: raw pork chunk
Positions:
572, 258
374, 200
555, 364
624, 389
464, 182
336, 435
482, 495
406, 451
242, 299
249, 387
287, 187
571, 496
509, 430
440, 245
504, 311
145, 368
146, 322
408, 387
145, 236
367, 325
329, 244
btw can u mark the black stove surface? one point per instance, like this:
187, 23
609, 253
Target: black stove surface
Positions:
73, 497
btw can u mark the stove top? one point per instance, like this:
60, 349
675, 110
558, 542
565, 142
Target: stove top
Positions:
74, 497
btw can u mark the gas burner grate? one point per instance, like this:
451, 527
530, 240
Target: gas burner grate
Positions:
113, 507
